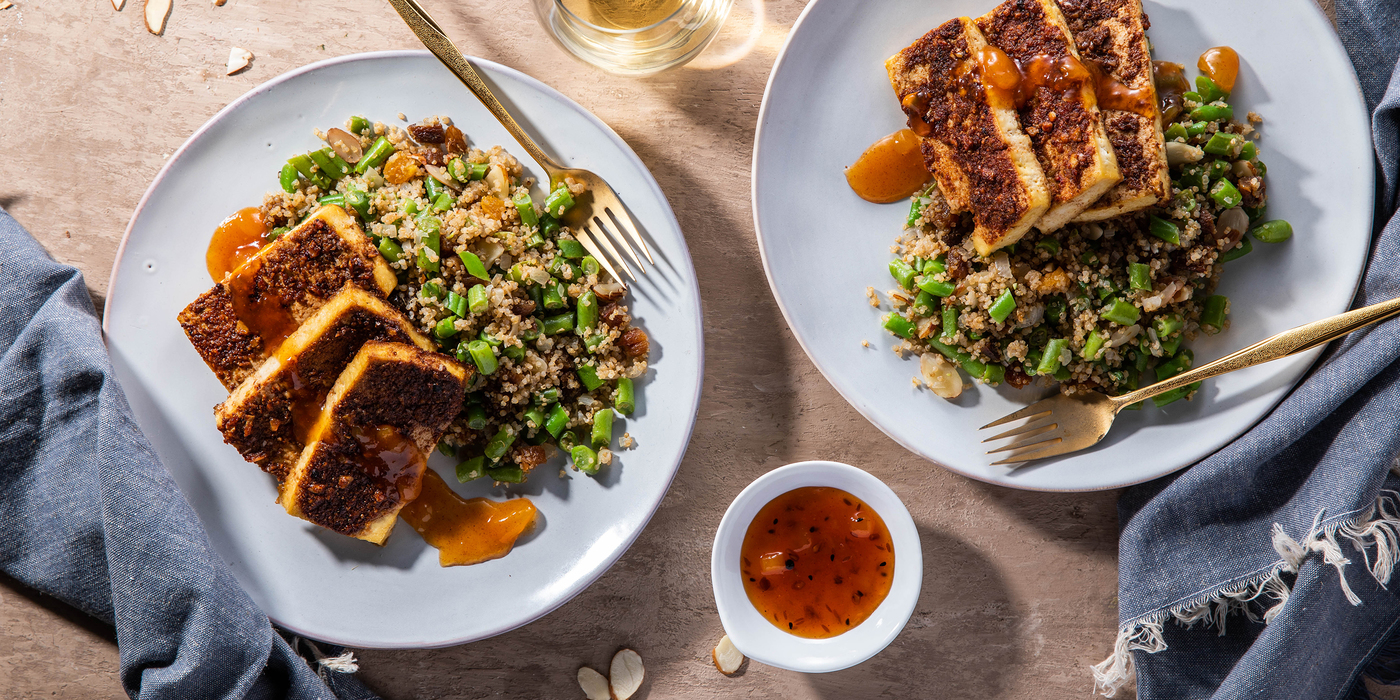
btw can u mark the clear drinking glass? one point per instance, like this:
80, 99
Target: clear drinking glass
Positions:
633, 37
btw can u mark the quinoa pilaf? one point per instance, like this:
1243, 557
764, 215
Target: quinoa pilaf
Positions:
494, 278
1093, 306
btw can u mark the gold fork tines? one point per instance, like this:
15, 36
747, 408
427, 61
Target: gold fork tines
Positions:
1067, 423
601, 207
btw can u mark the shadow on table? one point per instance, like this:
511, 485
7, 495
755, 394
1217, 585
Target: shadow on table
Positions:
964, 640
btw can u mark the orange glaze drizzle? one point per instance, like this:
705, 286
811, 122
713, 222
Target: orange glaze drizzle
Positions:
1222, 65
307, 401
890, 170
389, 457
265, 314
237, 239
466, 531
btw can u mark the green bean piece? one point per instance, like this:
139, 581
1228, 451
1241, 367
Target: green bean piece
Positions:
588, 376
572, 249
933, 267
1089, 258
1193, 96
1217, 170
335, 198
474, 266
1176, 131
936, 288
555, 295
482, 356
916, 210
1167, 325
560, 264
590, 265
602, 427
1055, 308
1003, 306
1194, 176
457, 304
303, 165
1245, 247
556, 422
479, 170
378, 152
950, 323
1179, 363
1122, 313
526, 207
288, 178
1163, 229
446, 328
900, 326
410, 208
1169, 347
535, 417
549, 226
476, 417
561, 323
477, 299
972, 366
1103, 292
1140, 276
1214, 312
535, 240
1276, 231
1249, 151
536, 293
329, 163
358, 201
462, 355
1049, 245
517, 273
359, 125
902, 273
1196, 129
390, 249
1093, 345
506, 475
443, 202
625, 399
1212, 113
459, 170
585, 459
514, 352
587, 309
1210, 92
432, 188
924, 304
1226, 195
489, 339
1174, 395
471, 470
1062, 374
433, 242
1050, 359
559, 201
994, 375
276, 233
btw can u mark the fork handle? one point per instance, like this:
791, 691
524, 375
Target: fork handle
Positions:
1287, 343
426, 28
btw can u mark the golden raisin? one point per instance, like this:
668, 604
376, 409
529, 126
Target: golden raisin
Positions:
400, 169
492, 206
635, 343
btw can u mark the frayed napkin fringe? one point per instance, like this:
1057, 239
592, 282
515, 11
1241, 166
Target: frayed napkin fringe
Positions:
1378, 527
342, 663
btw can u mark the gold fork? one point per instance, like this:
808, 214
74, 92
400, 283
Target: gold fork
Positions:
598, 208
1062, 423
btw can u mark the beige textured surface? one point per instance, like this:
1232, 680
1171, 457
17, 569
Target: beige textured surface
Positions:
1019, 588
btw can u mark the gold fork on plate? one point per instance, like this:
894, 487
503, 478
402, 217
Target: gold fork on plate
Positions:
1068, 423
597, 217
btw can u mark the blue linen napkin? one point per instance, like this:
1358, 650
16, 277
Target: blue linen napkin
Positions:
89, 515
1261, 572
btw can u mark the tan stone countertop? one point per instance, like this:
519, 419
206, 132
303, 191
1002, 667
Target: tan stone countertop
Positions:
1019, 594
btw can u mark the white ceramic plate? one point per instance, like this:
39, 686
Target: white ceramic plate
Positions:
828, 98
310, 580
758, 638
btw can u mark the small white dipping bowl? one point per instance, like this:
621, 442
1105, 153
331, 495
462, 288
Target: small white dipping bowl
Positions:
762, 641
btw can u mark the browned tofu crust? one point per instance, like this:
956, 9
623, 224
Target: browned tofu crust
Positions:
230, 349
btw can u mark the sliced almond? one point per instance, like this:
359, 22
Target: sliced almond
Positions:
118, 5
346, 146
238, 59
6, 4
727, 657
219, 3
156, 13
595, 686
626, 674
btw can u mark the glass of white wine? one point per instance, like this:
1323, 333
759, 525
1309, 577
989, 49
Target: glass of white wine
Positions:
633, 37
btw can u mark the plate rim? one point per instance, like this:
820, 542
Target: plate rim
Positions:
1334, 41
655, 191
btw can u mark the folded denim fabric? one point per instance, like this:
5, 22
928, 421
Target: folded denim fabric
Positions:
1261, 571
91, 517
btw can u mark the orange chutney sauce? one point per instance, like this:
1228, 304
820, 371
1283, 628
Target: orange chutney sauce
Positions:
1222, 65
817, 562
466, 531
890, 170
237, 239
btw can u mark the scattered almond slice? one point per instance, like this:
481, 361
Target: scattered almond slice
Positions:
595, 686
6, 4
626, 674
156, 13
238, 59
219, 3
727, 657
118, 5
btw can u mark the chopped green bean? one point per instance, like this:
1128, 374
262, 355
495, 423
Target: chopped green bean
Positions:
994, 375
1174, 395
1245, 247
477, 299
936, 288
489, 339
432, 188
924, 304
1213, 315
1050, 359
900, 326
590, 265
535, 417
1003, 306
1226, 194
1140, 276
1192, 96
457, 304
1212, 113
934, 267
483, 357
390, 249
588, 376
1196, 129
902, 273
1210, 92
1176, 131
378, 152
446, 327
1168, 325
1194, 176
479, 170
474, 266
359, 125
555, 294
358, 201
329, 163
459, 170
971, 365
276, 233
561, 323
559, 201
602, 428
549, 226
950, 323
1093, 345
625, 400
476, 416
1049, 245
1217, 169
335, 198
443, 202
526, 207
1178, 364
587, 309
571, 249
1163, 229
514, 352
432, 240
1055, 309
471, 470
585, 459
1249, 151
1276, 231
288, 178
506, 475
1122, 313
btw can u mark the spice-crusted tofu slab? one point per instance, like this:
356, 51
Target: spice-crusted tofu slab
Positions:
370, 445
269, 415
243, 318
1112, 36
978, 154
1057, 104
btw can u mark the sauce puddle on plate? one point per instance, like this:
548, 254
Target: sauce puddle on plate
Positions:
466, 531
890, 170
237, 239
817, 561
